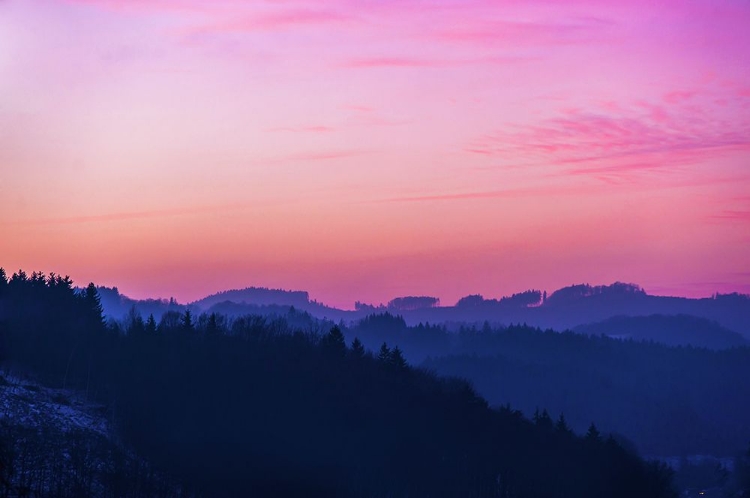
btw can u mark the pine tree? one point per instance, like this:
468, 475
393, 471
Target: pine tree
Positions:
134, 322
212, 327
562, 425
384, 355
543, 420
94, 305
187, 321
358, 349
396, 359
593, 433
334, 341
151, 325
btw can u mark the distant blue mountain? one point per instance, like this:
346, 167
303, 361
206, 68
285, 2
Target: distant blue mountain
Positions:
672, 330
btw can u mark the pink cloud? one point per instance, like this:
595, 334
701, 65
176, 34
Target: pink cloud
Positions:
358, 108
496, 194
318, 156
281, 20
418, 62
743, 216
376, 62
303, 129
577, 189
131, 215
678, 96
655, 138
503, 32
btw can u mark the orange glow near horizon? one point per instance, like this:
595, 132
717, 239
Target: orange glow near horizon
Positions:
363, 151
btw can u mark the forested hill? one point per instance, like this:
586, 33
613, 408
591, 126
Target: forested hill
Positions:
258, 296
668, 400
672, 330
253, 407
565, 308
582, 304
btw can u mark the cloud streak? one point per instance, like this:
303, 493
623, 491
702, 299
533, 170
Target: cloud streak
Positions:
129, 215
273, 21
733, 215
528, 34
550, 190
303, 129
618, 144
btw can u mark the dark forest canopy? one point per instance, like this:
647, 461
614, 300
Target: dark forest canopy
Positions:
255, 406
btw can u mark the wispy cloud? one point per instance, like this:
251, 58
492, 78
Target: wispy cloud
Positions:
743, 216
273, 21
645, 137
303, 129
128, 215
557, 189
315, 156
678, 96
421, 62
527, 34
497, 194
376, 62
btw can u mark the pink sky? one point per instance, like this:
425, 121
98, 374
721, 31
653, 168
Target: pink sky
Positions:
371, 149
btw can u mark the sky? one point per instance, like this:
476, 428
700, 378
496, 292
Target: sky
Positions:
373, 149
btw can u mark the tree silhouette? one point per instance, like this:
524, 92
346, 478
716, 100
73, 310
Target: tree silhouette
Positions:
3, 281
384, 355
334, 342
593, 433
212, 326
94, 305
562, 425
150, 325
187, 321
396, 359
357, 350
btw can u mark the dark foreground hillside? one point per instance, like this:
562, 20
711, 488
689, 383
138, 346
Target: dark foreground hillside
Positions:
252, 407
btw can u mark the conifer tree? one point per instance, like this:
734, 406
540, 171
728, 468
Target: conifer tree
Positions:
94, 305
212, 326
358, 349
562, 425
593, 433
151, 325
334, 341
396, 359
187, 321
384, 355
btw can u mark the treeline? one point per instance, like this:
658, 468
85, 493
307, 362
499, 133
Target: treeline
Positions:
255, 407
